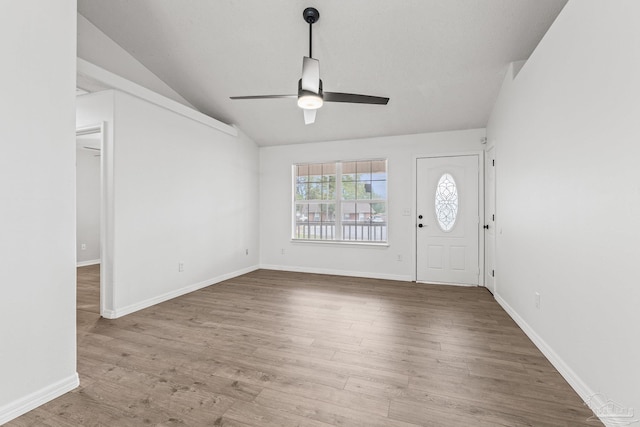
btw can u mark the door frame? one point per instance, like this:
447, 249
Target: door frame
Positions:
414, 202
106, 215
495, 220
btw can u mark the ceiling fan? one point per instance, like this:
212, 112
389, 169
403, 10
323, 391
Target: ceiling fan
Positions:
310, 94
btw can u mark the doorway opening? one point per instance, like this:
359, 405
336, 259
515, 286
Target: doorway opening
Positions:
91, 208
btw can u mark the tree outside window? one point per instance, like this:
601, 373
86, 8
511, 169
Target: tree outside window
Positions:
343, 201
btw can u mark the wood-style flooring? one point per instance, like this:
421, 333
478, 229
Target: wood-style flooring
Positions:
291, 349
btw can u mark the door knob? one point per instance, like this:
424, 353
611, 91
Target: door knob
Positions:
486, 227
419, 216
420, 225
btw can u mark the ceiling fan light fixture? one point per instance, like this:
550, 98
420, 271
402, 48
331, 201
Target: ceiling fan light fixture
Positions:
310, 101
310, 94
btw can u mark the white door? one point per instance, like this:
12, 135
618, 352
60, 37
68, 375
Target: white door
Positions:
490, 220
447, 209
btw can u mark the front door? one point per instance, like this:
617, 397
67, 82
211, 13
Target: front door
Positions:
447, 209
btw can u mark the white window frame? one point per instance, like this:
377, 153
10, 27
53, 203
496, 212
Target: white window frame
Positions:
337, 201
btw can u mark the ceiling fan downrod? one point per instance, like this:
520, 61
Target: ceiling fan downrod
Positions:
311, 16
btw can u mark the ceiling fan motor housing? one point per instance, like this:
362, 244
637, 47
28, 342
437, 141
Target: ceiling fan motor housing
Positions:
309, 100
311, 15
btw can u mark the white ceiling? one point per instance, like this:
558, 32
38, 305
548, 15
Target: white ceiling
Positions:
440, 61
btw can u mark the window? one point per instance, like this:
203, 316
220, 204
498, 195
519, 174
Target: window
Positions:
340, 201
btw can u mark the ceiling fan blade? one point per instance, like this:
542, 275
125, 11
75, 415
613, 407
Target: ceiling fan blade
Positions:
310, 74
263, 96
354, 98
309, 116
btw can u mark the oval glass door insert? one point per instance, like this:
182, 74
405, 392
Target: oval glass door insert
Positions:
446, 202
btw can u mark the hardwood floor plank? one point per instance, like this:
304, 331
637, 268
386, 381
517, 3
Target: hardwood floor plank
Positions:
403, 366
328, 413
255, 414
260, 372
273, 348
445, 412
428, 415
336, 366
508, 391
472, 402
340, 397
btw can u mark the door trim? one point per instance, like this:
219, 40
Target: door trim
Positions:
494, 222
414, 204
107, 291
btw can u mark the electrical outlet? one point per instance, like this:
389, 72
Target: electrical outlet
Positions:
282, 251
537, 299
246, 251
181, 266
399, 257
83, 246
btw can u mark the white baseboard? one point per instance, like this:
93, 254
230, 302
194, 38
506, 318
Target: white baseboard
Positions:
108, 314
86, 263
594, 401
21, 406
462, 285
119, 312
335, 272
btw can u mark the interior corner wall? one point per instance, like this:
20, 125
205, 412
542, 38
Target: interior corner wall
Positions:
185, 194
278, 251
97, 48
87, 206
568, 197
37, 209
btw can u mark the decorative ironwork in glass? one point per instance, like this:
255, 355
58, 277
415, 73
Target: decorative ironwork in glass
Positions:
446, 202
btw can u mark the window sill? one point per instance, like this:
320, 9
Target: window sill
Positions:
341, 243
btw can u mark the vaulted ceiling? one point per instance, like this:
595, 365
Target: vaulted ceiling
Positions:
441, 62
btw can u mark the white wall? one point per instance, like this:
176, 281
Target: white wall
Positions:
567, 137
97, 48
87, 206
365, 261
37, 210
183, 192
